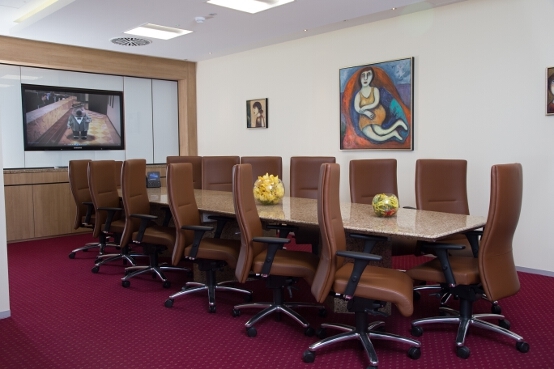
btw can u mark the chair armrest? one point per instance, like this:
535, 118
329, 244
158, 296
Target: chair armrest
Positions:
221, 221
90, 210
145, 219
109, 219
370, 241
361, 260
273, 244
199, 231
441, 251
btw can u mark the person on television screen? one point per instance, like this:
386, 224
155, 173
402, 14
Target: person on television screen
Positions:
78, 122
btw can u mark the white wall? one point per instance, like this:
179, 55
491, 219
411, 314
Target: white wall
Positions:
4, 285
480, 70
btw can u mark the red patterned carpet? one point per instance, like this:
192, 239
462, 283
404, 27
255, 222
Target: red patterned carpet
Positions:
64, 316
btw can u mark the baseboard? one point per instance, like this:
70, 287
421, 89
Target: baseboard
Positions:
5, 314
535, 271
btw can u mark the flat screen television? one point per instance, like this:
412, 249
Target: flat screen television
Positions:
67, 118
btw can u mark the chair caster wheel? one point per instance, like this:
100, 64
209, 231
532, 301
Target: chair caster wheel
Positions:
251, 332
416, 331
496, 309
308, 356
522, 346
125, 283
95, 269
414, 353
321, 333
211, 309
504, 324
236, 312
309, 331
168, 303
417, 296
462, 352
167, 284
72, 255
323, 313
248, 298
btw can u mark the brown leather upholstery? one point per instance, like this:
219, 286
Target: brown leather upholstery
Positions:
216, 172
368, 177
333, 273
196, 162
304, 174
285, 263
156, 238
85, 216
375, 284
118, 165
103, 189
213, 253
494, 271
78, 183
441, 185
264, 165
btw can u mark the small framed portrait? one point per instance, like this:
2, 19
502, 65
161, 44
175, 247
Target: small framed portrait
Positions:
550, 91
256, 113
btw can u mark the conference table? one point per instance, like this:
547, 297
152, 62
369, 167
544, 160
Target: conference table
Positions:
357, 218
408, 224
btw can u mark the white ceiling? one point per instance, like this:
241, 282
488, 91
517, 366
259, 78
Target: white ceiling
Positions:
93, 23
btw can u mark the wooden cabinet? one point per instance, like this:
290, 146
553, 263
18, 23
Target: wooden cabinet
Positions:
38, 204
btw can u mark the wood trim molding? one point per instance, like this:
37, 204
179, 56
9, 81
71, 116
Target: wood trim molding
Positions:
29, 53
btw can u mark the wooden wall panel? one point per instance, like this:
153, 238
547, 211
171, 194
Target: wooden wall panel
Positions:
22, 52
54, 209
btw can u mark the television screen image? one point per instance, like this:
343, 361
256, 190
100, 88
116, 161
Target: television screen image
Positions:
64, 118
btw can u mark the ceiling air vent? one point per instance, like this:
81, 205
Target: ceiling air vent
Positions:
130, 41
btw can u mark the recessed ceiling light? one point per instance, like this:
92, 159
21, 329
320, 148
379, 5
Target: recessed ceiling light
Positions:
249, 6
156, 31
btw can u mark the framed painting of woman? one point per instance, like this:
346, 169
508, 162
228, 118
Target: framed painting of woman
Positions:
550, 91
256, 113
376, 106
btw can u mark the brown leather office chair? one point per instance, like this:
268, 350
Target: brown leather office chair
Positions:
196, 162
84, 211
304, 174
364, 287
110, 217
264, 165
118, 165
492, 274
153, 238
367, 178
216, 172
265, 256
211, 254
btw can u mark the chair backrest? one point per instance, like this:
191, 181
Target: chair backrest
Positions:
441, 185
134, 195
118, 165
78, 183
264, 164
368, 177
216, 172
248, 219
180, 194
304, 174
496, 261
103, 189
196, 162
333, 238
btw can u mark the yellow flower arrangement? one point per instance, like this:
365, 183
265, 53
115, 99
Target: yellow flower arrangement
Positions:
269, 189
385, 205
